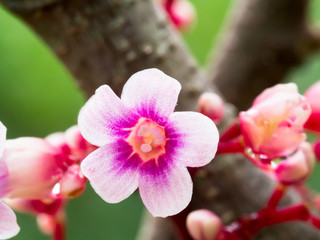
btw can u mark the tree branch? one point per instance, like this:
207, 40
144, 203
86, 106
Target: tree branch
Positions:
264, 41
106, 41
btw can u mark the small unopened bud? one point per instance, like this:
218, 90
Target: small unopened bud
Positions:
33, 165
46, 223
204, 225
183, 14
211, 105
73, 183
312, 95
298, 167
59, 140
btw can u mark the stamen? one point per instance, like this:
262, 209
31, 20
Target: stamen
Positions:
146, 147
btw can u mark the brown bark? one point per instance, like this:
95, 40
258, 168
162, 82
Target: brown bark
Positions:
105, 41
263, 42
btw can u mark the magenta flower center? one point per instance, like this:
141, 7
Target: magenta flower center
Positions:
148, 139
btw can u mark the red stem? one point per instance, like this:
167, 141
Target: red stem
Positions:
276, 196
245, 228
232, 132
230, 147
59, 233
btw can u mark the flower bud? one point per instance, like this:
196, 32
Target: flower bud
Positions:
80, 148
273, 126
46, 224
211, 105
49, 224
296, 168
34, 166
59, 140
73, 183
183, 14
72, 144
312, 95
204, 225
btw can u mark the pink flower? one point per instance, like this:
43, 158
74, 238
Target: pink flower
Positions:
33, 167
144, 144
312, 96
273, 126
8, 221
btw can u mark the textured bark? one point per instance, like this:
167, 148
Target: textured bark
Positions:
264, 41
105, 41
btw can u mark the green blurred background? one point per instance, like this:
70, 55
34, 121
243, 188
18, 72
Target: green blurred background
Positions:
38, 97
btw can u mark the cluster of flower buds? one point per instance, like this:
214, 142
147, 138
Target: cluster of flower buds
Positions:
181, 13
273, 133
38, 175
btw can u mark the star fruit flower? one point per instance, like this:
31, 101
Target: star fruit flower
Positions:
8, 221
143, 143
273, 126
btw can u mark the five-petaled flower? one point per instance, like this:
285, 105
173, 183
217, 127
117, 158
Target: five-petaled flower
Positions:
8, 221
142, 143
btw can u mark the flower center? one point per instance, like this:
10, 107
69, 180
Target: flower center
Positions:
148, 139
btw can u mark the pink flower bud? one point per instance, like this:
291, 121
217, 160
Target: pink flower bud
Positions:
273, 126
59, 140
73, 183
298, 167
80, 148
312, 96
181, 12
204, 225
72, 144
211, 105
34, 166
50, 224
46, 224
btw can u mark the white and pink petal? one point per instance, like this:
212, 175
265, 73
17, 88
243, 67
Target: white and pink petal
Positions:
8, 222
152, 94
192, 139
165, 188
104, 117
3, 132
112, 171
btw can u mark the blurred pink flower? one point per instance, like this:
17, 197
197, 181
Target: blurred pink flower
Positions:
273, 126
144, 144
312, 95
8, 221
33, 165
